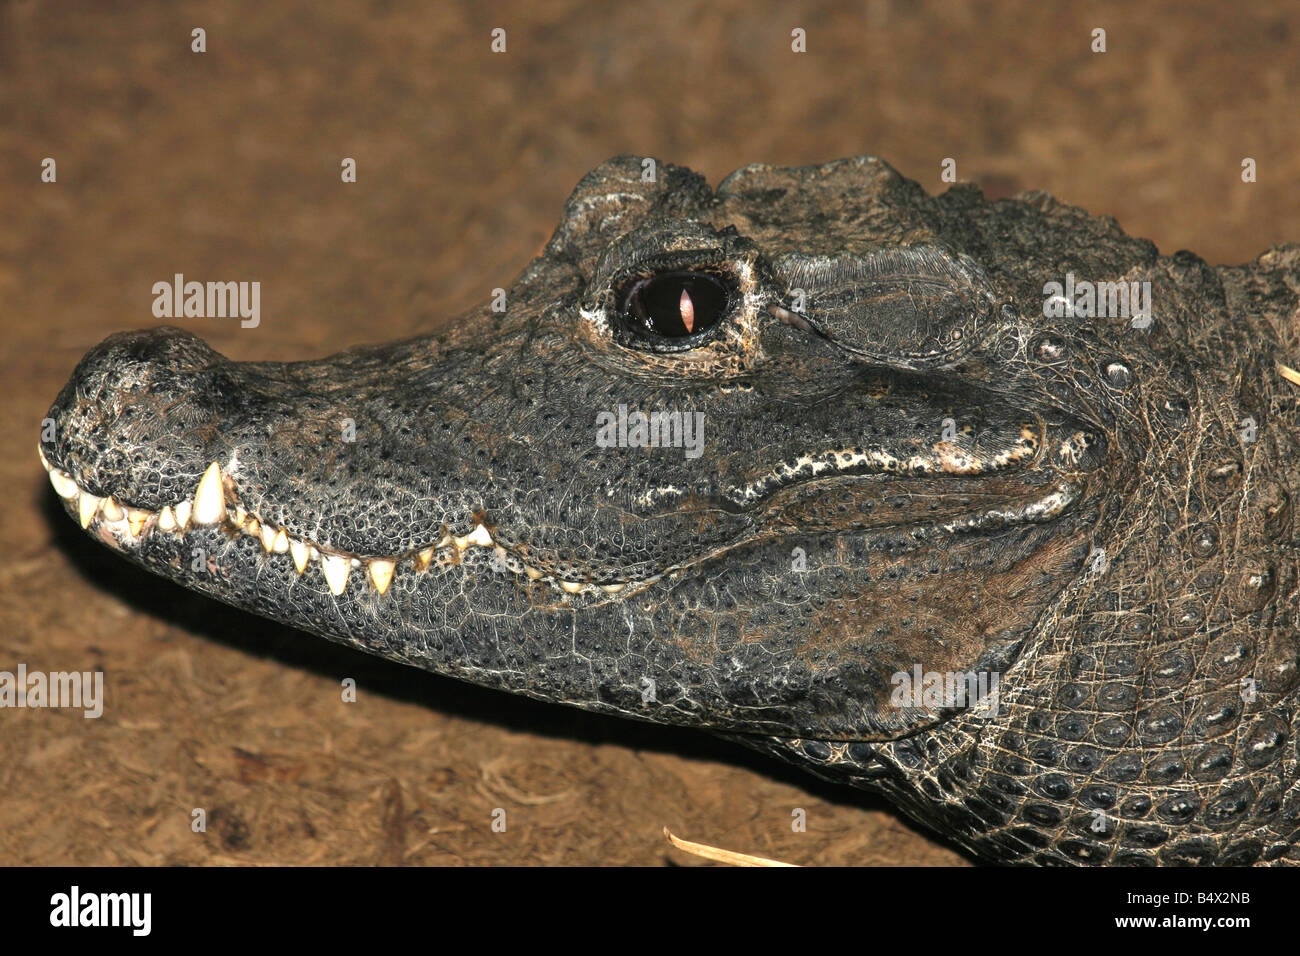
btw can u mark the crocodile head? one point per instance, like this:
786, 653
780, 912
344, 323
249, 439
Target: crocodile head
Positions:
733, 458
758, 449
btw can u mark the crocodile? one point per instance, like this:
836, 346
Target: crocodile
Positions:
908, 490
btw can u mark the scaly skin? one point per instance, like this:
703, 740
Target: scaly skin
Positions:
904, 464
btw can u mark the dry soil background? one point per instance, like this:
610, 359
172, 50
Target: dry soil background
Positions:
225, 165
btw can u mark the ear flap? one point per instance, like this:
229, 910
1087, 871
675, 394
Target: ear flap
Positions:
615, 196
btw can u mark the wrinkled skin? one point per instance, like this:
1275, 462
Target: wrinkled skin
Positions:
1094, 525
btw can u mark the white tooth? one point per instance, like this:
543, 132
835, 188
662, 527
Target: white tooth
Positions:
300, 553
112, 511
280, 543
268, 537
210, 498
182, 514
64, 486
613, 588
573, 587
252, 527
44, 461
336, 568
381, 573
167, 520
533, 573
136, 519
87, 505
478, 536
423, 558
240, 516
315, 554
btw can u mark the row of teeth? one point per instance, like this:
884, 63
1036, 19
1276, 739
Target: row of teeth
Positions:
208, 507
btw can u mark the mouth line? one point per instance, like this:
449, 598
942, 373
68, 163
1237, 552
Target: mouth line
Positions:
120, 525
123, 526
941, 458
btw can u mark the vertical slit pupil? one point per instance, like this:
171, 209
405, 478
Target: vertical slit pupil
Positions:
677, 304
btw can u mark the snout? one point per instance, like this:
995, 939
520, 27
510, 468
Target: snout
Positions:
137, 415
339, 451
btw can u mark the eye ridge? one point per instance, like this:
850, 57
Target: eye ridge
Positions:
675, 309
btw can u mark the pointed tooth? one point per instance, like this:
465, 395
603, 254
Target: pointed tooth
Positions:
268, 537
183, 511
381, 573
253, 527
167, 519
45, 462
280, 543
300, 553
136, 519
315, 552
111, 510
423, 558
613, 588
336, 568
87, 505
210, 498
64, 486
240, 516
572, 587
532, 573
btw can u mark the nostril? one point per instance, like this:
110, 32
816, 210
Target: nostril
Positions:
130, 359
177, 350
116, 403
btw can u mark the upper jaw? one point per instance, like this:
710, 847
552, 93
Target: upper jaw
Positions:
158, 434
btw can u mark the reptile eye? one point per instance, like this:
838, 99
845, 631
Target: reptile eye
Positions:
675, 305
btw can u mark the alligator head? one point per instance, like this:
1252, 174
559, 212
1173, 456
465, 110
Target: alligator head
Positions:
750, 459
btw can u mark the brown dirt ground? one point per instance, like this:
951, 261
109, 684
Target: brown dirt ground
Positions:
226, 165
